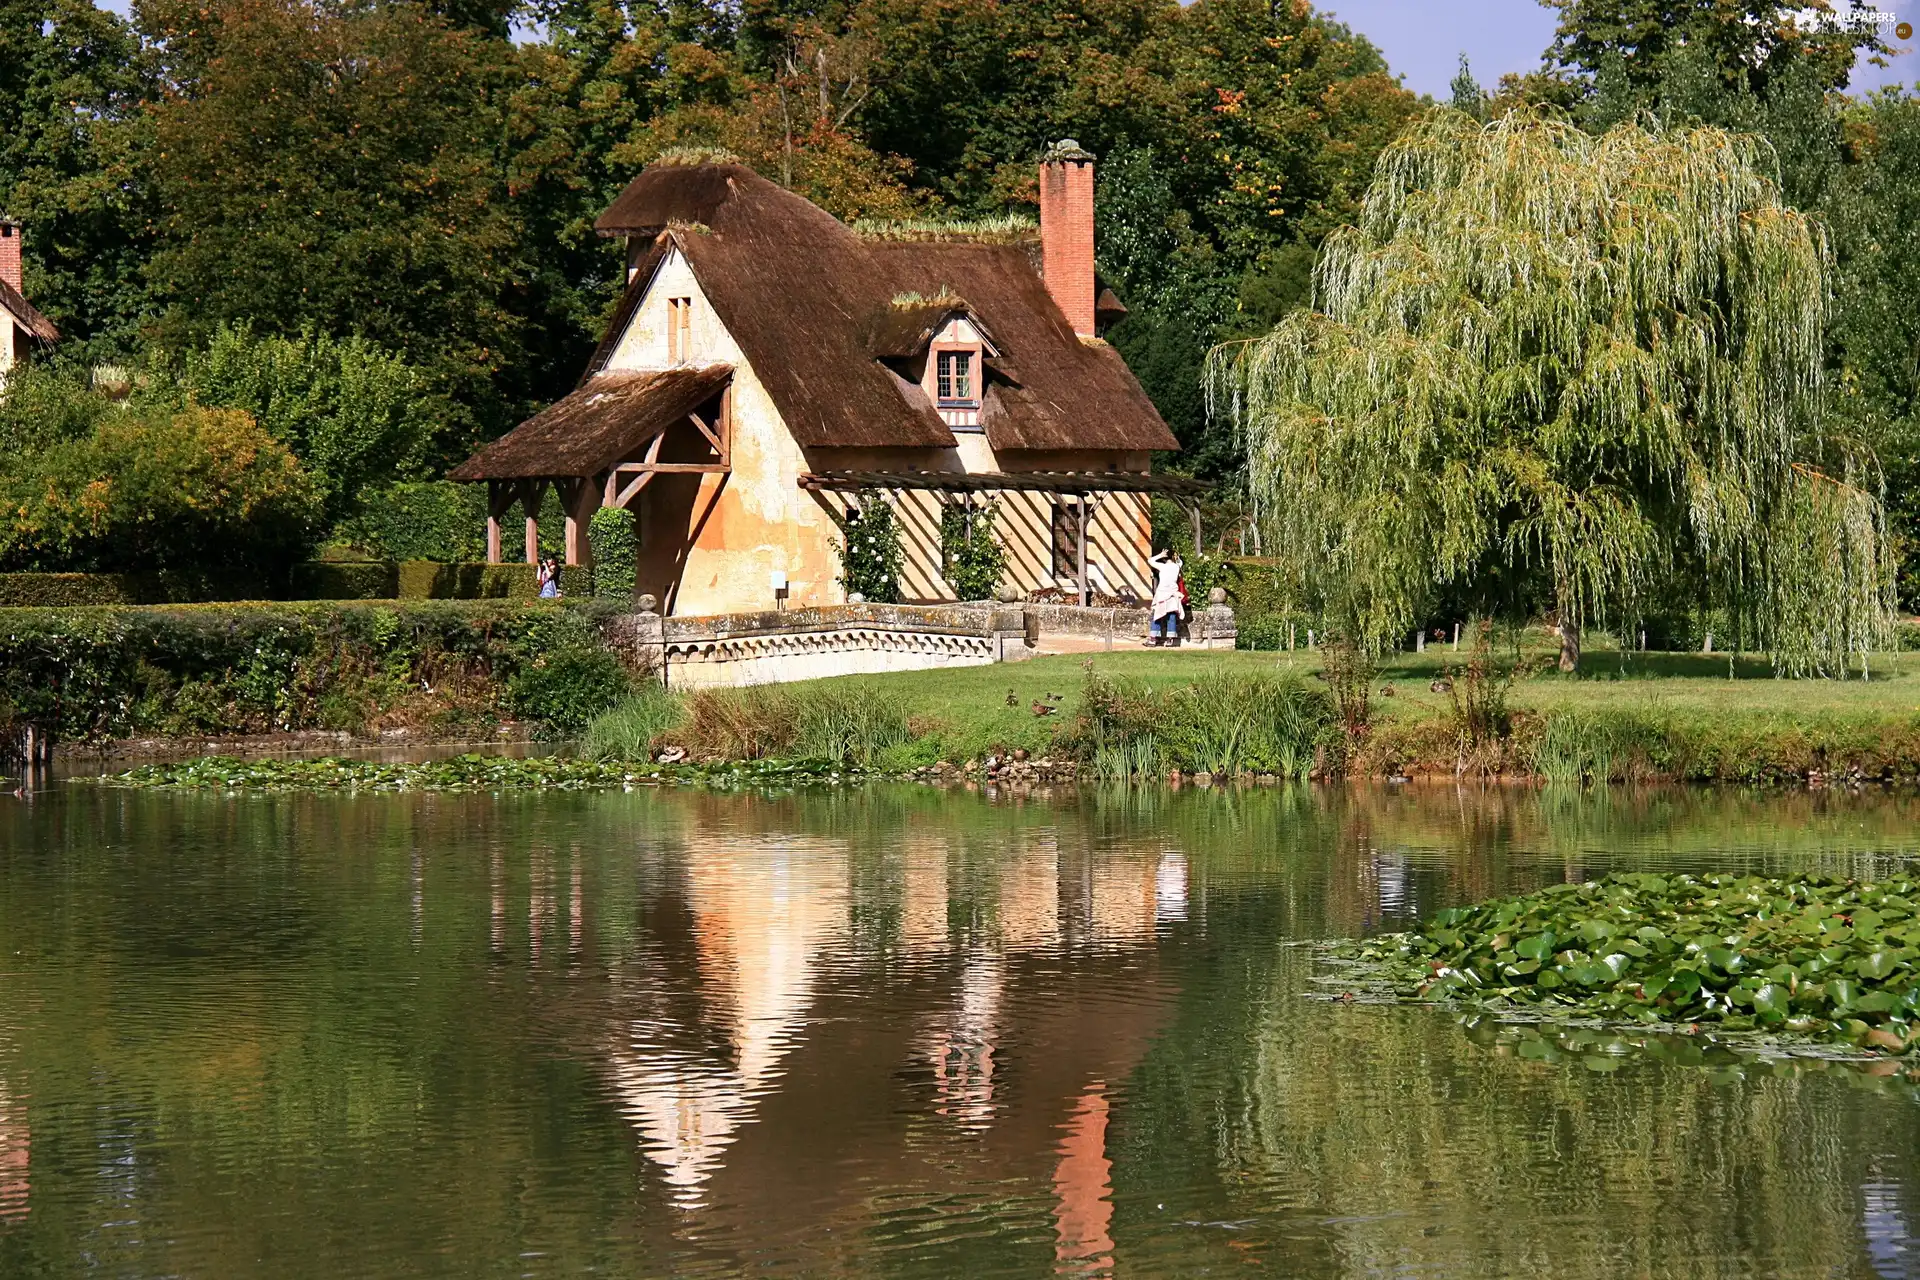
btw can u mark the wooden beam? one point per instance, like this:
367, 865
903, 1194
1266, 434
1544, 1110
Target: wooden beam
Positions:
632, 488
713, 437
579, 497
726, 424
673, 468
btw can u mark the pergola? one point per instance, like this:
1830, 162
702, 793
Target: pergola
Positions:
1091, 487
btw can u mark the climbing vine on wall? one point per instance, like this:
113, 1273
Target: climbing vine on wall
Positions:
871, 556
970, 550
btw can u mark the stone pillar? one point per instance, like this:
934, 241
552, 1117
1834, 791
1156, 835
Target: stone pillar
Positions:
1008, 626
1214, 626
642, 637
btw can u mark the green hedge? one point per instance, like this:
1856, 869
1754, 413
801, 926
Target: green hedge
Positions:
344, 580
448, 666
65, 590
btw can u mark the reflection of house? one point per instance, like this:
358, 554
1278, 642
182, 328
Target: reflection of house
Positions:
976, 1057
769, 365
761, 912
21, 327
16, 1157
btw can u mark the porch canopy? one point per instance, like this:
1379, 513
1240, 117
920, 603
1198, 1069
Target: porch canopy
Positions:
1088, 486
601, 445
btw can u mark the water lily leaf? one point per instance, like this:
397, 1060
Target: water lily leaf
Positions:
1616, 963
1876, 964
1881, 1038
1771, 1000
1725, 959
1538, 947
1842, 991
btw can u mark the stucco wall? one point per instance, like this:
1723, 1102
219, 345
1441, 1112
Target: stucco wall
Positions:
9, 335
710, 544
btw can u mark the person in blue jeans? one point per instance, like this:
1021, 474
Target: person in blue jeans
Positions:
1169, 602
548, 577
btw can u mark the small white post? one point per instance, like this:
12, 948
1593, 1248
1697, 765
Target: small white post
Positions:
1420, 642
1708, 646
1456, 637
1309, 637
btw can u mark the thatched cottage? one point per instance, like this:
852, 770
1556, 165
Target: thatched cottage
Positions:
769, 366
21, 327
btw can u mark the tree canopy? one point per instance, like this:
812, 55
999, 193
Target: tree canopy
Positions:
1556, 368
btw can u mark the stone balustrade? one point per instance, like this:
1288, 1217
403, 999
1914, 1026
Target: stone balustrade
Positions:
776, 646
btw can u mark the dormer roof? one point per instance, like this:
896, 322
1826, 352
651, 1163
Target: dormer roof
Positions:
906, 326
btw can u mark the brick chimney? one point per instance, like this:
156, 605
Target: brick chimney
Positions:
10, 255
1066, 231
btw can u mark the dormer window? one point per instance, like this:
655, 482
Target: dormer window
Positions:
955, 379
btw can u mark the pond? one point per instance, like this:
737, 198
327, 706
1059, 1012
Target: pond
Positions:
884, 1030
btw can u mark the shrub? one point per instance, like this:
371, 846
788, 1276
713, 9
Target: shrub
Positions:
842, 721
871, 556
971, 552
565, 689
442, 665
198, 489
616, 552
431, 520
67, 590
631, 730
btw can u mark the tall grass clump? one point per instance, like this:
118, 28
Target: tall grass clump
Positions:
848, 723
631, 730
1217, 724
1599, 746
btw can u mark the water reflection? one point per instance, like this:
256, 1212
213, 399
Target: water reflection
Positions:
883, 1032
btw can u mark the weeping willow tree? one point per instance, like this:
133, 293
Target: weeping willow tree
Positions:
1554, 370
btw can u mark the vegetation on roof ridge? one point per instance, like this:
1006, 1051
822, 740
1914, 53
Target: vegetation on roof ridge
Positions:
1011, 228
696, 156
944, 296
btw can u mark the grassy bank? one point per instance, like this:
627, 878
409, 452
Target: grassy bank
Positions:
1626, 717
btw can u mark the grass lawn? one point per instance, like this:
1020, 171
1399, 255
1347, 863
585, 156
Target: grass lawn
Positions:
962, 712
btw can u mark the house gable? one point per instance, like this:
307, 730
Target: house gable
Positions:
672, 324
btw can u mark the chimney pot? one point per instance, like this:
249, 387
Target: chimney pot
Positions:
10, 269
1066, 231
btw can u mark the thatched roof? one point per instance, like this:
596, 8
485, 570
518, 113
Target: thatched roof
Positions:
1047, 389
602, 422
25, 316
811, 305
795, 288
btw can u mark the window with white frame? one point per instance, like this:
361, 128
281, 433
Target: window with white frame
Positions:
954, 378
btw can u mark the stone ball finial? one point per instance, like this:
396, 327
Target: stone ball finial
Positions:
1217, 596
647, 603
855, 597
1008, 594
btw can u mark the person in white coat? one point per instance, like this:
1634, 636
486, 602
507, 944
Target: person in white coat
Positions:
1169, 607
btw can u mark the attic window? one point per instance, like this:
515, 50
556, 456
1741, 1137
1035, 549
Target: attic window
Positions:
679, 330
954, 382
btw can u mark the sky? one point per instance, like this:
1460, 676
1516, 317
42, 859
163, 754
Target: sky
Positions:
1423, 39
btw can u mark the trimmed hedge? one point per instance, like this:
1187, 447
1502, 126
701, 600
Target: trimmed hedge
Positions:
344, 580
430, 580
450, 667
68, 590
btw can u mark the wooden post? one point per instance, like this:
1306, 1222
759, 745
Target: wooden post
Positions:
579, 498
1083, 550
531, 491
499, 498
